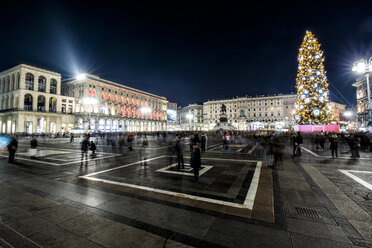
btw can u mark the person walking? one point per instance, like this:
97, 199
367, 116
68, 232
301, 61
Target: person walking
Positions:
145, 144
33, 144
299, 141
84, 150
196, 162
179, 151
294, 144
72, 138
334, 145
129, 141
12, 148
203, 141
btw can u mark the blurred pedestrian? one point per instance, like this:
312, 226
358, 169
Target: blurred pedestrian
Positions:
93, 148
334, 145
145, 144
33, 145
12, 148
130, 141
203, 141
179, 151
84, 150
196, 162
299, 142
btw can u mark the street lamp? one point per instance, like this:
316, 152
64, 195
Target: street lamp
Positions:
362, 67
189, 116
81, 76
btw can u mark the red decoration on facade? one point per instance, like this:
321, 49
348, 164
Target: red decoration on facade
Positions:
103, 95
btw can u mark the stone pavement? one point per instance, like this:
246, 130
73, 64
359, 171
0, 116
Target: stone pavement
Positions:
118, 202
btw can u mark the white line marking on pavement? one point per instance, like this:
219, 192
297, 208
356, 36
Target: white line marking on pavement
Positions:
252, 149
122, 166
312, 153
248, 203
249, 200
357, 179
201, 172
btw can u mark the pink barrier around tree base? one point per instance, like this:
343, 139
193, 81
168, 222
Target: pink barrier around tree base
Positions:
318, 128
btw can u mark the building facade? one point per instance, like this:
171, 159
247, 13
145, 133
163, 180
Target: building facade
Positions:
106, 106
190, 117
31, 101
338, 111
171, 116
251, 113
362, 99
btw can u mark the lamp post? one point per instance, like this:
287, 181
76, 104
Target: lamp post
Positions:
189, 116
362, 67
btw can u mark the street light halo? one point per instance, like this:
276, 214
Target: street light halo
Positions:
81, 76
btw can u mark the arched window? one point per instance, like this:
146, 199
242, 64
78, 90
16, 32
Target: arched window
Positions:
52, 105
13, 86
41, 84
7, 84
28, 102
41, 103
2, 85
29, 81
18, 79
53, 86
11, 102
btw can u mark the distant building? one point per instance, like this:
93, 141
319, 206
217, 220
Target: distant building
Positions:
31, 101
251, 113
362, 99
190, 117
337, 109
171, 116
106, 106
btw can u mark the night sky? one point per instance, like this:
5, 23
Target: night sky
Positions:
188, 52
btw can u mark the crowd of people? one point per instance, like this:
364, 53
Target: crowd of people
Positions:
273, 144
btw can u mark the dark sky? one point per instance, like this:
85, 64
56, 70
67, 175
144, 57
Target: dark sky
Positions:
184, 51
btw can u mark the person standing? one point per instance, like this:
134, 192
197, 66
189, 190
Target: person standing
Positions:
203, 142
196, 162
179, 151
299, 141
145, 144
334, 145
12, 148
33, 145
294, 144
130, 140
72, 138
84, 150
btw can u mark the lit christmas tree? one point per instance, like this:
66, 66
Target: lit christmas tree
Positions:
312, 87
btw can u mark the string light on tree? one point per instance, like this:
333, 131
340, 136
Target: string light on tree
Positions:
311, 83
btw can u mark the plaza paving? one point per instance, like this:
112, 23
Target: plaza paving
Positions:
119, 201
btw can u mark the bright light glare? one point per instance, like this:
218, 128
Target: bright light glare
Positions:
348, 113
89, 101
81, 76
189, 116
145, 110
361, 67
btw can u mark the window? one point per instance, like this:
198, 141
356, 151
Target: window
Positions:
29, 81
53, 86
41, 104
28, 102
69, 109
41, 84
63, 108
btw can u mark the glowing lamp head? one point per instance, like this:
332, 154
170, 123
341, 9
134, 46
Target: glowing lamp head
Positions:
361, 67
81, 76
348, 113
189, 116
89, 101
145, 110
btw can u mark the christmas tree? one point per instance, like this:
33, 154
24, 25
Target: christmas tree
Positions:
311, 83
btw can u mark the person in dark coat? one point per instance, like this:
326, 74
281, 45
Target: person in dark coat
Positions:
12, 148
299, 141
334, 145
203, 141
179, 151
196, 162
93, 147
33, 145
84, 150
